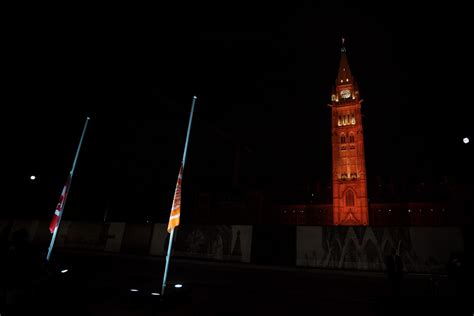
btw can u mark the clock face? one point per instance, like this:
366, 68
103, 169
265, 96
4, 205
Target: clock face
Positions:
345, 94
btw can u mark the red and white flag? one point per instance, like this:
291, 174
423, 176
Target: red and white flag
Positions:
176, 208
60, 206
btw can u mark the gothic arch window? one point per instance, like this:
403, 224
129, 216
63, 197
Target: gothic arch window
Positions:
353, 120
351, 138
343, 138
349, 198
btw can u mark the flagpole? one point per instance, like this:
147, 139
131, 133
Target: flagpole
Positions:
70, 180
170, 242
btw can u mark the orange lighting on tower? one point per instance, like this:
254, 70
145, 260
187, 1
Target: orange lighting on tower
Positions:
350, 204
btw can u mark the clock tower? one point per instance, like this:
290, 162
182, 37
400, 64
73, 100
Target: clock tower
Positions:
349, 182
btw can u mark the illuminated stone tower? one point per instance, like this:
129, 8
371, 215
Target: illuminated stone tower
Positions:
349, 180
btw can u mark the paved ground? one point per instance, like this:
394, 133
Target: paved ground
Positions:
98, 284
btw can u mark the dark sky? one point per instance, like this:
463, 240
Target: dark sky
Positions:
263, 76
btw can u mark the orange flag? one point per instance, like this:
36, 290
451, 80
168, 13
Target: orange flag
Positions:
176, 208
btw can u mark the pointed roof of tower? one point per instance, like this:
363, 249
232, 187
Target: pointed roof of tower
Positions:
344, 75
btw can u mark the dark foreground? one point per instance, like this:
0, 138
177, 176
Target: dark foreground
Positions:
97, 284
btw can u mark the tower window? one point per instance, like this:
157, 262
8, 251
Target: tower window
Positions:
351, 138
343, 138
353, 120
347, 79
349, 198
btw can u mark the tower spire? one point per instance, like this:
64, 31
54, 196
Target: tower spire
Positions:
344, 75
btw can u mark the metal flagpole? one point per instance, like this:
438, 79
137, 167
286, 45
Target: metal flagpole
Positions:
70, 180
170, 243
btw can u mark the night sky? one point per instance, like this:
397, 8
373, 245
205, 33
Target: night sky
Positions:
263, 77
